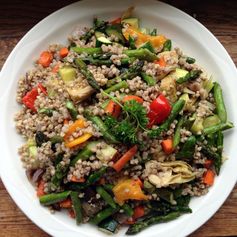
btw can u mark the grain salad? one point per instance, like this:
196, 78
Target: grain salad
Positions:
121, 128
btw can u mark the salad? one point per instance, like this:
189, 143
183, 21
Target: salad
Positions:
121, 128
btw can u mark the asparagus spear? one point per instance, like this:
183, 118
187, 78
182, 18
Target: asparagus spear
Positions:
177, 107
87, 74
206, 150
103, 128
148, 79
220, 105
52, 198
72, 110
76, 205
106, 196
218, 127
132, 72
97, 61
109, 211
139, 226
142, 54
116, 87
176, 138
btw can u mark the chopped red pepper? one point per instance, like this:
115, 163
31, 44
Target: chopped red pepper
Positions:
159, 110
30, 97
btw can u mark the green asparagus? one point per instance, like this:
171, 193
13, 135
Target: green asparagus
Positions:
72, 110
139, 226
109, 211
87, 74
176, 138
76, 205
148, 79
103, 128
142, 54
218, 127
220, 105
53, 198
116, 87
106, 196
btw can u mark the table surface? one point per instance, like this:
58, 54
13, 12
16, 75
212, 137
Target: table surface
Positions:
220, 17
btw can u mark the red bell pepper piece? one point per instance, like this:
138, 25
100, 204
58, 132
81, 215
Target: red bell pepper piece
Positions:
159, 110
29, 99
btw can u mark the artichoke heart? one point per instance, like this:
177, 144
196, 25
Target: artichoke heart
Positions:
175, 172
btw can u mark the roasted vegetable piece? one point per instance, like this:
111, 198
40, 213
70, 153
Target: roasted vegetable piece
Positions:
128, 189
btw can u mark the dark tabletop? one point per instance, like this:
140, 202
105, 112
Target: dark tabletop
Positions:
17, 17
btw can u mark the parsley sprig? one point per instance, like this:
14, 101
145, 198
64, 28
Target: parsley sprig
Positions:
134, 117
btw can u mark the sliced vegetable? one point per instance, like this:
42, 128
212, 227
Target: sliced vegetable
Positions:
67, 73
177, 107
29, 99
159, 110
132, 97
40, 188
115, 30
167, 146
118, 166
161, 61
80, 123
113, 109
128, 189
63, 52
66, 203
45, 58
208, 177
188, 149
78, 140
109, 226
211, 121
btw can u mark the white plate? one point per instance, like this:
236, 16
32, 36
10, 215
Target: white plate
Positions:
188, 34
